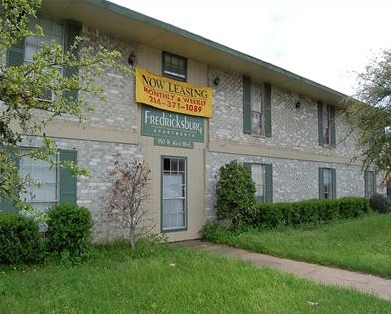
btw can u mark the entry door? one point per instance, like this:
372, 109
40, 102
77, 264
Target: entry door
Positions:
174, 193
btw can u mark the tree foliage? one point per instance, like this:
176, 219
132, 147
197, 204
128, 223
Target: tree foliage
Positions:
22, 109
130, 188
369, 114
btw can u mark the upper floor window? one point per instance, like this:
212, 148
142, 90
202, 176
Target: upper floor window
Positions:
326, 121
62, 33
52, 31
256, 108
174, 66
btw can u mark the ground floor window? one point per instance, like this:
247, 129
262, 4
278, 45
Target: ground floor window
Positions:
263, 178
42, 191
327, 183
174, 193
370, 183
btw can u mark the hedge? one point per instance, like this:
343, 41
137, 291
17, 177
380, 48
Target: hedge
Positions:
314, 211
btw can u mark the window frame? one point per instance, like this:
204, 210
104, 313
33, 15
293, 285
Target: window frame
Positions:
184, 227
332, 183
178, 75
326, 125
247, 108
370, 183
267, 172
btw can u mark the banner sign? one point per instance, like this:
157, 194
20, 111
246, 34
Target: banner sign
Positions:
171, 129
167, 94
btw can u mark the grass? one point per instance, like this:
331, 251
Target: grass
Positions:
170, 279
362, 244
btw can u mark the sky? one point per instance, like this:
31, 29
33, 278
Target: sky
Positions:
328, 42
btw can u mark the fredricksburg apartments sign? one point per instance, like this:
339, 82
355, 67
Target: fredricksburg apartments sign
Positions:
172, 95
175, 112
171, 129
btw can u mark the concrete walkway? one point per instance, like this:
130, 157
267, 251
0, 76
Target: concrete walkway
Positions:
377, 286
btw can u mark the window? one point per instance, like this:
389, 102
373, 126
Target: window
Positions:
174, 193
370, 183
42, 192
326, 121
174, 66
63, 33
327, 183
50, 184
52, 31
262, 175
256, 108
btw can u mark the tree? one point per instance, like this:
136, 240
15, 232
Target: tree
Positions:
23, 111
369, 114
129, 190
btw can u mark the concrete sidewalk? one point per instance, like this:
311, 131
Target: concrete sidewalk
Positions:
377, 286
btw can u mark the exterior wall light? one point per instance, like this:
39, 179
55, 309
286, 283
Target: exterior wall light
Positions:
298, 104
216, 81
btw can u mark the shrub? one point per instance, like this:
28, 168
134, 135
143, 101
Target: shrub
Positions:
20, 240
380, 203
314, 211
69, 230
235, 193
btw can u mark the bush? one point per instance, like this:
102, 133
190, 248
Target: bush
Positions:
20, 240
380, 203
69, 231
314, 211
235, 193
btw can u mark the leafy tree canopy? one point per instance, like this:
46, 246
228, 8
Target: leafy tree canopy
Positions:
22, 109
369, 114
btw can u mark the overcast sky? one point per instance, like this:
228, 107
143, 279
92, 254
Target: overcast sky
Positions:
324, 41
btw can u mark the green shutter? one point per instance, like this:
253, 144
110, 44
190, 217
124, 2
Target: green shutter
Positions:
15, 54
68, 186
268, 110
366, 182
269, 183
6, 204
246, 105
334, 183
320, 122
332, 125
72, 29
321, 183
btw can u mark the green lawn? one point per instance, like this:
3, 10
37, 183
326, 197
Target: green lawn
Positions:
362, 244
171, 279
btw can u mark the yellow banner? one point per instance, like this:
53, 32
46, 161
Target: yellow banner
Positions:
172, 95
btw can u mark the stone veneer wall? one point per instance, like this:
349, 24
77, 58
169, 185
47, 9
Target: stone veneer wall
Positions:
293, 129
92, 191
293, 180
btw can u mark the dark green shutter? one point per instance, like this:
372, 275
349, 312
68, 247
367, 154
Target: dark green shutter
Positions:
269, 183
6, 204
366, 182
268, 110
246, 105
332, 125
15, 54
321, 183
68, 182
72, 29
320, 122
334, 183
